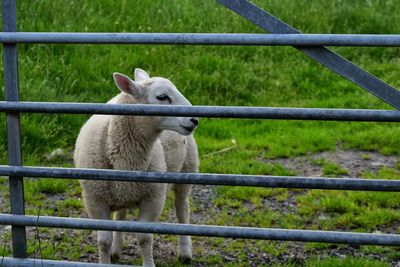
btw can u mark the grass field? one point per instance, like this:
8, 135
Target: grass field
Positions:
212, 75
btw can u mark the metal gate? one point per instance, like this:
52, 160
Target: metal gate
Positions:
283, 34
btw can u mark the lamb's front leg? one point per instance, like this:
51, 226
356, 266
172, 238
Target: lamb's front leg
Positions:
149, 211
118, 237
182, 192
104, 238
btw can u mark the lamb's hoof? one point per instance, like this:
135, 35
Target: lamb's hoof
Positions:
185, 259
115, 258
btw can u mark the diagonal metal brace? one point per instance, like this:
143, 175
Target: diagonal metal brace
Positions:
323, 55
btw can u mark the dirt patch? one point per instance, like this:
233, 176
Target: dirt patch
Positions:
354, 162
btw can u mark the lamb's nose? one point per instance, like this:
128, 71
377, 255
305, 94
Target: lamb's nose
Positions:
195, 121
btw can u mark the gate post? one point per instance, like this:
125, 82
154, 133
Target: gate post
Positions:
11, 90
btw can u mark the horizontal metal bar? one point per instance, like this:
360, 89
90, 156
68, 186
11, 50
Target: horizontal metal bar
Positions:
206, 178
206, 111
203, 39
28, 262
204, 230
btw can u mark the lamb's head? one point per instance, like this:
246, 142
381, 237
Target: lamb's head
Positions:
160, 91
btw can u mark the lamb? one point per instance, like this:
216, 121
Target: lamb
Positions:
137, 143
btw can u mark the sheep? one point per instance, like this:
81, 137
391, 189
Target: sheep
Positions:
137, 143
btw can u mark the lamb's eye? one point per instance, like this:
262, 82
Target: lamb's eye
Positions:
164, 98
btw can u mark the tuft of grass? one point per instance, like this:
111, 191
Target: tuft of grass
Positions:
334, 170
72, 203
46, 186
237, 196
330, 169
366, 156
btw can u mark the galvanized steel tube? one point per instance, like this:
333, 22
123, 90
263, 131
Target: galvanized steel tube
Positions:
14, 262
204, 230
203, 39
204, 178
206, 111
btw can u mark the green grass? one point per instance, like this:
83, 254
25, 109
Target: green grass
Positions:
347, 262
330, 168
47, 186
358, 211
213, 75
207, 75
335, 262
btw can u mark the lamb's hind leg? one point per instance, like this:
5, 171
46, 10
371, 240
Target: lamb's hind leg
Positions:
118, 237
149, 211
182, 192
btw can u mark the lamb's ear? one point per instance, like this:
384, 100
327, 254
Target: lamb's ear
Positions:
126, 85
141, 75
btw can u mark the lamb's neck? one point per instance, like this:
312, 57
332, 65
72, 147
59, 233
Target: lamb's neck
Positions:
134, 137
131, 140
140, 140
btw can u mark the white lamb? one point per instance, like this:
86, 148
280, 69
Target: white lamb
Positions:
137, 143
